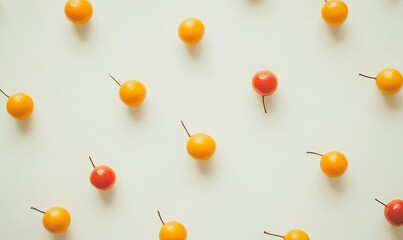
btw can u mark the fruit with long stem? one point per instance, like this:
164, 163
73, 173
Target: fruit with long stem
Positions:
295, 234
393, 212
388, 80
265, 84
102, 177
172, 230
19, 105
55, 220
333, 164
132, 92
200, 146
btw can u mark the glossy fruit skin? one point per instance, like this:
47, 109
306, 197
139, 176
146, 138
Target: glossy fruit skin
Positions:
201, 146
334, 12
78, 11
56, 220
334, 164
173, 231
296, 235
103, 177
394, 212
191, 31
20, 106
264, 83
132, 93
389, 81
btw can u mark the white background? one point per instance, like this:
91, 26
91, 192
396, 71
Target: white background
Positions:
260, 177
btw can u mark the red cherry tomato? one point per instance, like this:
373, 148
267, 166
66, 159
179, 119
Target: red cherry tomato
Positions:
264, 82
394, 212
103, 177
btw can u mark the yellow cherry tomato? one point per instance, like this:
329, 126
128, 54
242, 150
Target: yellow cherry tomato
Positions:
132, 93
173, 231
56, 220
20, 106
201, 146
334, 164
389, 81
191, 31
296, 235
334, 12
78, 11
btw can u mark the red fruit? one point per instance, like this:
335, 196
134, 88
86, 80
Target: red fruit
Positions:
394, 212
264, 82
102, 177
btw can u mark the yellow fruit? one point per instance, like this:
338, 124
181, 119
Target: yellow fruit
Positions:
191, 31
334, 12
78, 11
20, 106
389, 81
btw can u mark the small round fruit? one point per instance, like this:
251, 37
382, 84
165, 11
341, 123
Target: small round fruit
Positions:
173, 231
20, 106
201, 146
132, 93
191, 31
334, 164
394, 212
296, 235
389, 81
334, 12
78, 11
264, 83
103, 177
56, 220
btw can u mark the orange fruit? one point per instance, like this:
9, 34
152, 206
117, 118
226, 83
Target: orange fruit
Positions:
173, 231
20, 106
78, 11
296, 235
191, 31
334, 164
389, 81
201, 146
334, 12
132, 93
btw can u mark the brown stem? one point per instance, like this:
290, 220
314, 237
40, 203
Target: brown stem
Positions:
4, 93
314, 153
362, 75
381, 202
185, 129
34, 208
272, 234
114, 79
92, 162
159, 215
264, 105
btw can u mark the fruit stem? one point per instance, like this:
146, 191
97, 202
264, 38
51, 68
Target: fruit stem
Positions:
159, 215
4, 93
92, 162
34, 208
264, 105
185, 129
272, 234
362, 75
381, 202
314, 153
114, 79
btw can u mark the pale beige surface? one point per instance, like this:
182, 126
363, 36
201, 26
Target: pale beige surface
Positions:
260, 178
